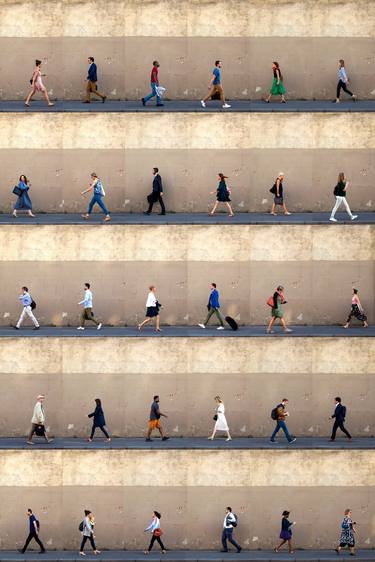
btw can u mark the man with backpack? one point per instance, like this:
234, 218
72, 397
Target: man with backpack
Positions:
339, 417
34, 527
28, 307
279, 414
230, 522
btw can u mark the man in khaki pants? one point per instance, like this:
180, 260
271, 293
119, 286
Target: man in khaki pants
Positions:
92, 79
38, 419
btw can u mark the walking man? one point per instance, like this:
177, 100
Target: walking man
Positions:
33, 533
92, 79
154, 422
87, 313
38, 421
230, 521
339, 416
213, 307
156, 194
28, 307
279, 414
215, 86
154, 85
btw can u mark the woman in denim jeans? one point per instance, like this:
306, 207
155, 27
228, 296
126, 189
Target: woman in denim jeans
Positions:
97, 187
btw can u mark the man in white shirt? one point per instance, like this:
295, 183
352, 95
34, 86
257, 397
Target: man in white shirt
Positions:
230, 521
38, 420
87, 313
27, 310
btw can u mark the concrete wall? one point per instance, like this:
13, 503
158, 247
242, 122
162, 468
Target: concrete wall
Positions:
187, 37
190, 150
73, 372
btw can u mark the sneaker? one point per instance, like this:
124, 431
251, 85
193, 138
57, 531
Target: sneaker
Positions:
36, 328
80, 328
200, 325
220, 328
226, 105
203, 103
332, 219
292, 441
287, 330
353, 217
99, 326
160, 105
15, 328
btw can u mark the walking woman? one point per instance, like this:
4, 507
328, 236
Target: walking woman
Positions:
152, 310
276, 302
222, 195
277, 88
343, 83
87, 530
286, 532
340, 193
278, 190
98, 421
356, 311
347, 533
23, 200
156, 532
98, 193
221, 423
37, 84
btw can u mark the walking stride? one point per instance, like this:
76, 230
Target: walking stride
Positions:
220, 420
286, 532
92, 82
339, 416
156, 194
340, 194
222, 195
38, 422
230, 522
34, 527
28, 306
153, 307
154, 420
213, 307
98, 421
87, 529
23, 198
279, 414
98, 193
356, 311
37, 85
156, 532
347, 533
276, 303
87, 313
215, 87
343, 82
277, 88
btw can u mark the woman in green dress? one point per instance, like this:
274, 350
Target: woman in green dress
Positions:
276, 302
277, 84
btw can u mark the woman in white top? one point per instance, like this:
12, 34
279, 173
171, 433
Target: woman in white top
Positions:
343, 83
155, 529
152, 310
220, 419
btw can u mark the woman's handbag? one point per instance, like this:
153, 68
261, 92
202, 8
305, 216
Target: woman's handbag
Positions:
215, 417
40, 430
158, 532
17, 190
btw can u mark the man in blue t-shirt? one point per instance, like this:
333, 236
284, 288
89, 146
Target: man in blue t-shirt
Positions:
213, 307
215, 86
33, 532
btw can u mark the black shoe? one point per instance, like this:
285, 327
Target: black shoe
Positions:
165, 438
160, 105
143, 102
21, 551
161, 214
86, 101
36, 327
146, 213
15, 328
224, 551
239, 550
42, 551
103, 100
148, 439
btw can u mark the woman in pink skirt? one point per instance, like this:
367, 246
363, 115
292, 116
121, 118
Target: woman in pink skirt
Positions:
37, 84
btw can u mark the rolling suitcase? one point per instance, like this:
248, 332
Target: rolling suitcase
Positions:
232, 323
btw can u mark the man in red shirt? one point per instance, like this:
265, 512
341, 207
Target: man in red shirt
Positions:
154, 85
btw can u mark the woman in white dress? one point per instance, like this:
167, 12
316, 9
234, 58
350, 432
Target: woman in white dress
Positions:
220, 419
152, 310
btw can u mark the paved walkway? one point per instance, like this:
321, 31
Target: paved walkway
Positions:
189, 218
190, 332
183, 106
191, 556
195, 443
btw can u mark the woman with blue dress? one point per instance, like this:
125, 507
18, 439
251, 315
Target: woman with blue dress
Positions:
23, 200
222, 195
286, 532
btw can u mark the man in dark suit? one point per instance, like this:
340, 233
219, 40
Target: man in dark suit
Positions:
92, 79
157, 193
339, 417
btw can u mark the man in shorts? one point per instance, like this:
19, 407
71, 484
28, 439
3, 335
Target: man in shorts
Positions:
154, 422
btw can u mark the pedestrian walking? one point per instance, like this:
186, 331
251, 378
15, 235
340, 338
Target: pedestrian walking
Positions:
38, 422
356, 311
340, 194
347, 533
87, 313
98, 421
286, 532
222, 195
215, 86
28, 306
156, 532
34, 527
278, 191
156, 194
37, 84
279, 414
92, 82
220, 420
343, 82
213, 307
154, 420
339, 416
277, 88
153, 307
23, 198
98, 193
276, 303
230, 522
87, 529
154, 86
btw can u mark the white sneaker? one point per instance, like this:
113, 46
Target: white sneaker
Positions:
226, 105
353, 217
220, 328
99, 326
80, 328
202, 326
332, 219
203, 104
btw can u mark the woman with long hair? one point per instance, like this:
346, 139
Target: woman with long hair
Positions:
340, 194
156, 532
222, 195
277, 88
356, 311
286, 532
37, 84
152, 310
87, 531
221, 423
342, 83
278, 191
23, 200
98, 421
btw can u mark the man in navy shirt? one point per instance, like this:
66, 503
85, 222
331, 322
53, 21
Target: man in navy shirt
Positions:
33, 532
213, 307
215, 86
92, 79
339, 417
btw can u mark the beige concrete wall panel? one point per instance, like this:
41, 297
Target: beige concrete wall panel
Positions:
41, 470
40, 18
356, 245
44, 357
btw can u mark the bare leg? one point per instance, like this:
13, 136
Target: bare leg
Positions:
161, 431
158, 323
283, 98
283, 323
269, 97
273, 209
213, 435
214, 208
351, 550
231, 213
145, 321
290, 547
271, 323
45, 94
280, 545
286, 212
31, 94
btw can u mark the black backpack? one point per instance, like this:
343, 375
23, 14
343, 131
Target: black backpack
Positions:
37, 524
33, 304
81, 526
274, 413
